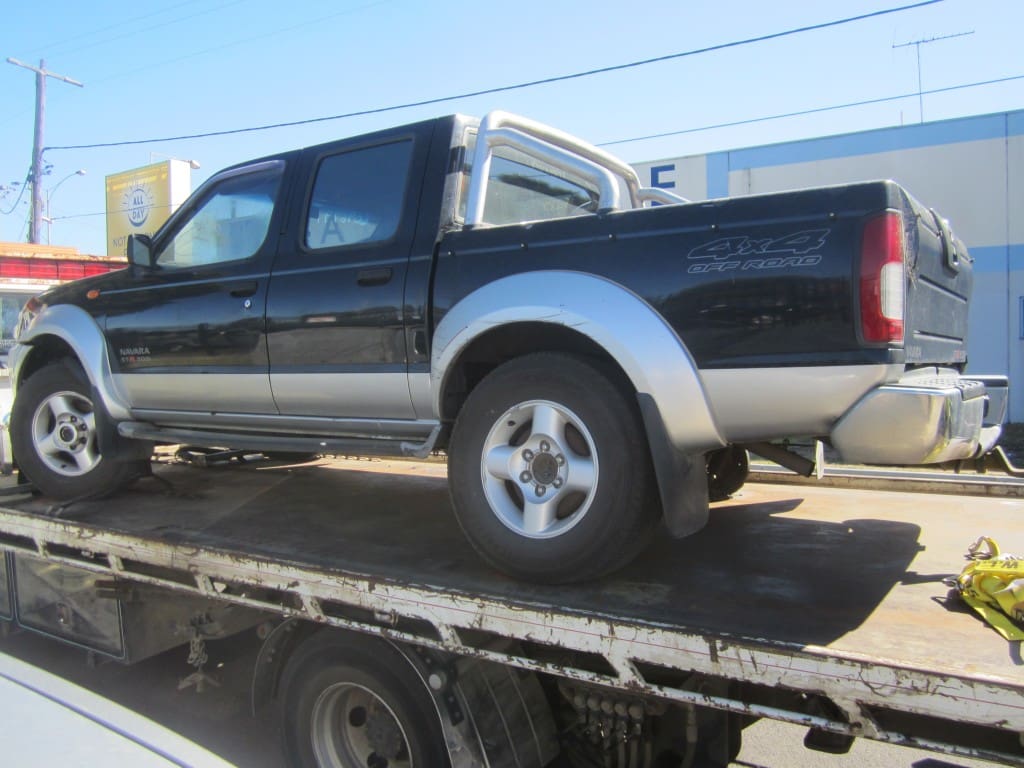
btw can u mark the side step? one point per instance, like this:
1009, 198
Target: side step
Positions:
348, 446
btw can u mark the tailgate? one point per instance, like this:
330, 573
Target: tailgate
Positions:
939, 281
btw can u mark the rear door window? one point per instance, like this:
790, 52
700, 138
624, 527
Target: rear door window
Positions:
358, 196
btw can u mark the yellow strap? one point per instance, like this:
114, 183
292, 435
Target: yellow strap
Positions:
993, 585
999, 621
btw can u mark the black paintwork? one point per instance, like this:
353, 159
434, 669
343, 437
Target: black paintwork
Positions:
754, 309
754, 281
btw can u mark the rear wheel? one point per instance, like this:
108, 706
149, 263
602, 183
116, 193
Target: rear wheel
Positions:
350, 701
54, 436
549, 471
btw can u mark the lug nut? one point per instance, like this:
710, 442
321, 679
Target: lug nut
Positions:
525, 476
557, 482
545, 446
560, 460
539, 490
528, 455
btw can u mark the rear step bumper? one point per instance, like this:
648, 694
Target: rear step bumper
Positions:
924, 419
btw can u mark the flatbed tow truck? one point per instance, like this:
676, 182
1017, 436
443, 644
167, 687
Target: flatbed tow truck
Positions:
388, 642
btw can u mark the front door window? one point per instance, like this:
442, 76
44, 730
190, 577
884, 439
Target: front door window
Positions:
229, 224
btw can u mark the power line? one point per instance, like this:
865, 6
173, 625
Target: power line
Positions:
748, 121
49, 48
21, 194
137, 32
240, 41
517, 86
815, 110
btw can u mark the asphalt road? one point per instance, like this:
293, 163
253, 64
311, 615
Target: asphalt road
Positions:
220, 718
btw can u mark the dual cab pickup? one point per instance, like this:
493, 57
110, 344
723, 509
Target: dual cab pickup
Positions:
592, 355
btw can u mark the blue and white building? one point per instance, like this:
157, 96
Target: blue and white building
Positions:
970, 169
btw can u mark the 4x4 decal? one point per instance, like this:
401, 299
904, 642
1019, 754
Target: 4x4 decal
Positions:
798, 249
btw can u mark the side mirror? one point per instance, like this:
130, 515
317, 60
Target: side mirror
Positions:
140, 250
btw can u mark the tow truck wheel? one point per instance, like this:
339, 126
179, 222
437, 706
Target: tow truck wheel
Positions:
54, 436
352, 701
549, 471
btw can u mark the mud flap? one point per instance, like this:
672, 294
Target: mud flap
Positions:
682, 479
112, 446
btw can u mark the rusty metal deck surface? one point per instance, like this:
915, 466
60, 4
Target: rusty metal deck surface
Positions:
853, 571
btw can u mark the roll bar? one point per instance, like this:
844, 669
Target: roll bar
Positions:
577, 159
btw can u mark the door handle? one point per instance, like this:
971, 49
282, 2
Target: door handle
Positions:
375, 276
243, 290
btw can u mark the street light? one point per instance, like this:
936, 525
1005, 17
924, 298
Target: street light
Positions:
49, 194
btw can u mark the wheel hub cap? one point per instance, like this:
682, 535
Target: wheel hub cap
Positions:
539, 469
544, 468
71, 433
64, 434
384, 734
352, 726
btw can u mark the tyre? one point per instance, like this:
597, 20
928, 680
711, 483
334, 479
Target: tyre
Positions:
728, 469
54, 436
351, 701
549, 471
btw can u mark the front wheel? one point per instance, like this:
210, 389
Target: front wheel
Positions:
549, 471
54, 436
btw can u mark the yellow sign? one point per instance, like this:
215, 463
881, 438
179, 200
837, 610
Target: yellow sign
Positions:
140, 200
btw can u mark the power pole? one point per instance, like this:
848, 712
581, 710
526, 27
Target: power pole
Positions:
36, 174
917, 45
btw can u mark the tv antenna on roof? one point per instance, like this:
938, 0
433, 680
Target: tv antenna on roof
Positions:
917, 45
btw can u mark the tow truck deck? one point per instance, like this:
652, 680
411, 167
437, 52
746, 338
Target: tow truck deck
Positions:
790, 595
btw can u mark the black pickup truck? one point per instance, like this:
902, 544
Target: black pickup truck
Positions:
593, 356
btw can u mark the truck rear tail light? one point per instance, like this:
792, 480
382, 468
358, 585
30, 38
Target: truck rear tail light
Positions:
882, 279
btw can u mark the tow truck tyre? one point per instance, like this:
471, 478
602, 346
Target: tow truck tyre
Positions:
54, 436
549, 470
351, 701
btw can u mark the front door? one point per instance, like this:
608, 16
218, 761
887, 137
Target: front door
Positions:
189, 335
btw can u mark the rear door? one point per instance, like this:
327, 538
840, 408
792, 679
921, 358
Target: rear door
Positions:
335, 314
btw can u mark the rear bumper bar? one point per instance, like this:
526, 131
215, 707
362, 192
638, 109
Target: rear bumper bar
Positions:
927, 418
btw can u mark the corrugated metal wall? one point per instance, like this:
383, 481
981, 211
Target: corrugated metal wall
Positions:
970, 169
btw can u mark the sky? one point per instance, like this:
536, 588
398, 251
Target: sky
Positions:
179, 67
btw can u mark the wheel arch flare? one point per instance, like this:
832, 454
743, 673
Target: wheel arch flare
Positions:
678, 420
78, 331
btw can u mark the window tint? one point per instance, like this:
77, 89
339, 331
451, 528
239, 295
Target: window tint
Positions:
358, 196
520, 189
230, 223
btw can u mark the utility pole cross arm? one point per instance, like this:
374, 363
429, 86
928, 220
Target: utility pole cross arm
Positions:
36, 174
